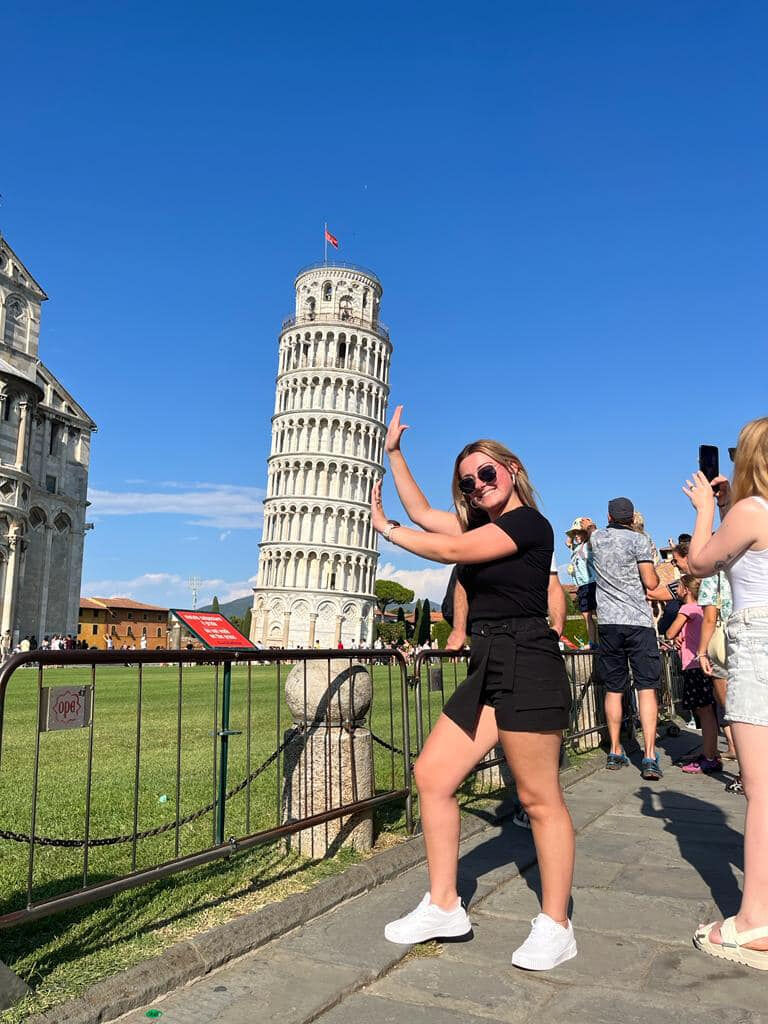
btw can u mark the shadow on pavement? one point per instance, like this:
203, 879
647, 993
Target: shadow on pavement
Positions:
711, 846
512, 845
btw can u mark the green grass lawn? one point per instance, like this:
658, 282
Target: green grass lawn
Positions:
60, 955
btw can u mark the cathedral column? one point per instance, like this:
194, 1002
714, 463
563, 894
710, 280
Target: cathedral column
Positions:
286, 628
63, 446
45, 573
312, 627
21, 440
11, 572
337, 637
46, 446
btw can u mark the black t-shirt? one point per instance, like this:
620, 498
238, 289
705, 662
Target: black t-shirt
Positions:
515, 586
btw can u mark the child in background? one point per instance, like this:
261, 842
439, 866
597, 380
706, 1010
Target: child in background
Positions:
698, 692
583, 573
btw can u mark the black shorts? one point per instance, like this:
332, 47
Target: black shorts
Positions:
586, 596
516, 667
625, 647
697, 689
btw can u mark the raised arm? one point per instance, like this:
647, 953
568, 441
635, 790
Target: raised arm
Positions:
709, 553
417, 508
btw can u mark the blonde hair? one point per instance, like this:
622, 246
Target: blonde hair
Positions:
691, 584
750, 467
471, 517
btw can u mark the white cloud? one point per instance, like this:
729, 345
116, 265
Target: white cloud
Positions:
224, 506
223, 536
429, 583
168, 589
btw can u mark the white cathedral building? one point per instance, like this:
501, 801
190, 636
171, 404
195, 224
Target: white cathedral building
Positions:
318, 554
45, 446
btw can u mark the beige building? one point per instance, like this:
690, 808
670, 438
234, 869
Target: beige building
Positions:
128, 623
45, 439
318, 553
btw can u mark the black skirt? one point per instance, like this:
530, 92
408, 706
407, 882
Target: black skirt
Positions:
516, 667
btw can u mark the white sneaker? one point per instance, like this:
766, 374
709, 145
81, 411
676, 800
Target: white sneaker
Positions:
429, 921
548, 945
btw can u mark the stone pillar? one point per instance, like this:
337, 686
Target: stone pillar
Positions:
265, 626
46, 446
21, 440
337, 635
286, 627
11, 573
45, 575
312, 627
330, 762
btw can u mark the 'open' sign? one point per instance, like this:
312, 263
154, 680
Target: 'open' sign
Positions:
65, 707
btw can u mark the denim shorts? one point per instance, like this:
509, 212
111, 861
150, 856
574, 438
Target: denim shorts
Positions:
746, 637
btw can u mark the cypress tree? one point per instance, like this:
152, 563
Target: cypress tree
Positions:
425, 623
215, 604
416, 622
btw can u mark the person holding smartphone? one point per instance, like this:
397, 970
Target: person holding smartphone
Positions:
740, 546
516, 691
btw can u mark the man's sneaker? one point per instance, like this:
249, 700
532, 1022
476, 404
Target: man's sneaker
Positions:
650, 769
428, 921
615, 761
548, 945
521, 819
703, 766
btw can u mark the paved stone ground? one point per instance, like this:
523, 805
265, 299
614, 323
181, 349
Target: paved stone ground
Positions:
653, 859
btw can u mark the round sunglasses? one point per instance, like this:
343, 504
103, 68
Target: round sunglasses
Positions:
485, 474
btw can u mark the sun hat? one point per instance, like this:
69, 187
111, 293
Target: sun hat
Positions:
580, 525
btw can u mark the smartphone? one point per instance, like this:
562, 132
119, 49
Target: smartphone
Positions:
709, 461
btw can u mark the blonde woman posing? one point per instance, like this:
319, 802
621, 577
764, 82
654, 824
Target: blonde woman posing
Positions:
740, 546
516, 690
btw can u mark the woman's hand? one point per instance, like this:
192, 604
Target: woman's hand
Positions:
706, 665
378, 520
455, 641
395, 431
699, 490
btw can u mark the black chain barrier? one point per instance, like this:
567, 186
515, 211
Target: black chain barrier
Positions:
388, 746
22, 837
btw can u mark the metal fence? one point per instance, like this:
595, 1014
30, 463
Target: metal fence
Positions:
119, 768
437, 674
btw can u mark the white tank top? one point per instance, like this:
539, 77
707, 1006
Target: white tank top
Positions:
748, 576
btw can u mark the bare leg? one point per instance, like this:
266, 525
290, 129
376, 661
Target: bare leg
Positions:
720, 688
752, 749
708, 721
449, 755
613, 707
587, 620
534, 758
648, 707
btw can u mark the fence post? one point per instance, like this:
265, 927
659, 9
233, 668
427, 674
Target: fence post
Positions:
224, 733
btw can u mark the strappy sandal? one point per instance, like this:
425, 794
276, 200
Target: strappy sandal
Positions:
733, 946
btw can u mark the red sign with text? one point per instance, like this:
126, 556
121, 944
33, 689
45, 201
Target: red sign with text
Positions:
213, 629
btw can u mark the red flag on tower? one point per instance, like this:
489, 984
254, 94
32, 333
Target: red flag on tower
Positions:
332, 239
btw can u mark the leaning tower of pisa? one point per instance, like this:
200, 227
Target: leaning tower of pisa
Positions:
317, 562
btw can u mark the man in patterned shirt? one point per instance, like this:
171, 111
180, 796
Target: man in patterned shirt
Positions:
624, 571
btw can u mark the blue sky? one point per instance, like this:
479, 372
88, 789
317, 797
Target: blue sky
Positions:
566, 204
